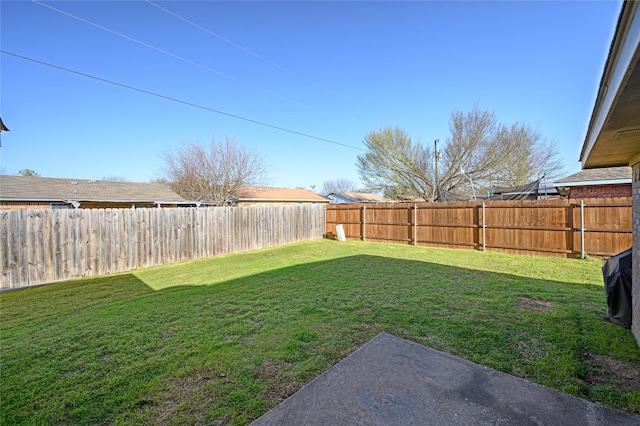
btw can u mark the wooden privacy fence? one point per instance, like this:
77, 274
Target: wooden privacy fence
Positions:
40, 246
599, 227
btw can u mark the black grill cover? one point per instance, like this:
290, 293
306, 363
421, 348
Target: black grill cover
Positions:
617, 285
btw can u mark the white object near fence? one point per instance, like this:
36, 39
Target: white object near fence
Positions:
340, 233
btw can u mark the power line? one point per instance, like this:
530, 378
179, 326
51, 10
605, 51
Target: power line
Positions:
244, 49
173, 55
115, 83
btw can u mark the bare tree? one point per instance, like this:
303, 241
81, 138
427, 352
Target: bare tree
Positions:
395, 165
528, 156
472, 152
215, 172
339, 185
479, 149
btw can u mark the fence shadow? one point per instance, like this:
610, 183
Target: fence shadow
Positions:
292, 322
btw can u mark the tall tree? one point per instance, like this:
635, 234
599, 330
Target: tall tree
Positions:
478, 150
215, 172
395, 165
339, 185
530, 156
472, 151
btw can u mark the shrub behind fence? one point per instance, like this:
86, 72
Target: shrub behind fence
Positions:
40, 246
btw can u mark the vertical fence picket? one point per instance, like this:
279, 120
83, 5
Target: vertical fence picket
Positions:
40, 246
53, 245
544, 227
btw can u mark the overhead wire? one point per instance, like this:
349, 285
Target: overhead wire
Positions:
244, 49
173, 55
170, 98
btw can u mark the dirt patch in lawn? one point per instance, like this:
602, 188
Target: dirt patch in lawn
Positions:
531, 349
185, 399
362, 311
621, 375
535, 305
278, 376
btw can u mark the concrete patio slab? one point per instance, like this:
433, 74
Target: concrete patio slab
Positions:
392, 381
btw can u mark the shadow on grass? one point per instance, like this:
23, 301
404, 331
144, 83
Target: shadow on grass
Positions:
113, 349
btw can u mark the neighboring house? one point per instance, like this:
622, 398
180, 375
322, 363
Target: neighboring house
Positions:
355, 197
548, 193
255, 195
606, 182
540, 193
531, 191
613, 135
34, 192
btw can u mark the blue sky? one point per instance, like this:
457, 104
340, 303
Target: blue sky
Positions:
332, 70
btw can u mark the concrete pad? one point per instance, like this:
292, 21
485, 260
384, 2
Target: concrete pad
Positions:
391, 381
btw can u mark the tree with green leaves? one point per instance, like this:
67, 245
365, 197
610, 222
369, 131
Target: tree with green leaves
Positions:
28, 172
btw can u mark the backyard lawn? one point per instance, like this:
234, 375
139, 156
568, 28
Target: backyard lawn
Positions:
223, 340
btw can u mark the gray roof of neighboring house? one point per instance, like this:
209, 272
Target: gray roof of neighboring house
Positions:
602, 176
360, 197
32, 188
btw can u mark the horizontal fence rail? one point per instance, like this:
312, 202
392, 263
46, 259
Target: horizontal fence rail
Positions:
41, 246
568, 228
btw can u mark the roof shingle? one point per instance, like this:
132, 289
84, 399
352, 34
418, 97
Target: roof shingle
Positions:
598, 175
60, 189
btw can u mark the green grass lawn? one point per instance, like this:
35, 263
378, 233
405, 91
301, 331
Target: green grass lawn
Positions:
223, 340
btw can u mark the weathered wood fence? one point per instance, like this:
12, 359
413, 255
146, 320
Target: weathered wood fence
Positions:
568, 228
40, 246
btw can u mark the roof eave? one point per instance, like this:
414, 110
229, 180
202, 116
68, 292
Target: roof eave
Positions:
33, 200
281, 200
81, 200
623, 53
594, 182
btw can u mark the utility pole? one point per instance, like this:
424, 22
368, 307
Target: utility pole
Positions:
437, 155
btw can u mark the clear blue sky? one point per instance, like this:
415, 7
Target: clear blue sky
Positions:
333, 70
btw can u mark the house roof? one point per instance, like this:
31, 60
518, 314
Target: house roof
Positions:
602, 176
360, 197
260, 193
35, 188
613, 135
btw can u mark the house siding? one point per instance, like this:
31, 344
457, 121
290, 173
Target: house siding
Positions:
635, 278
600, 191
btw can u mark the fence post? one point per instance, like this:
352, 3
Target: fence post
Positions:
324, 207
415, 224
364, 222
582, 253
484, 241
